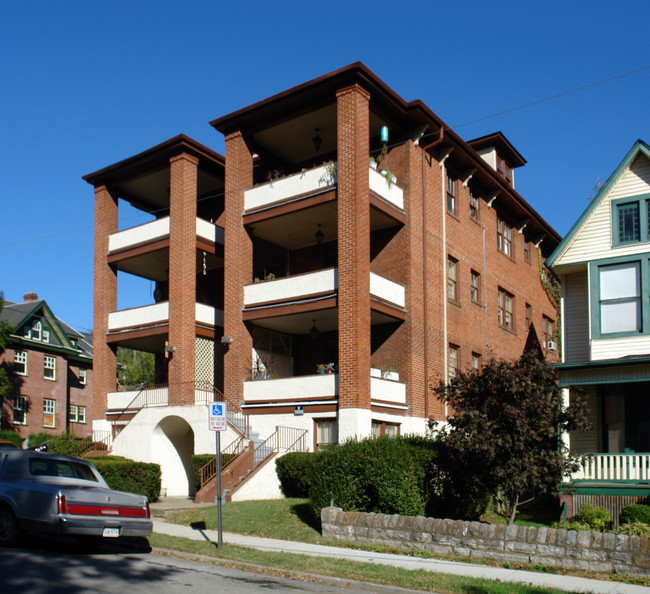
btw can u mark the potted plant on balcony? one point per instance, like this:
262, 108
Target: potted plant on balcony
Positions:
324, 368
390, 373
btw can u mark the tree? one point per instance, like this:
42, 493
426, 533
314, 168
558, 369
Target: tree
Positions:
136, 369
7, 379
504, 434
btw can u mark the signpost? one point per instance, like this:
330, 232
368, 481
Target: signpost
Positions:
218, 422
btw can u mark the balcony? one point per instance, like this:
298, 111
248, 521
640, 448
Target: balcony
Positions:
301, 286
157, 230
158, 314
387, 393
613, 467
313, 182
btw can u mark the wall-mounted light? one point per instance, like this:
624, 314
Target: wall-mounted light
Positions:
317, 140
169, 349
314, 332
319, 235
226, 340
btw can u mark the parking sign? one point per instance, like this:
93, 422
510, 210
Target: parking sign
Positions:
217, 416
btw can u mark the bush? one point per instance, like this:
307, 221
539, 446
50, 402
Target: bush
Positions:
130, 476
596, 517
570, 526
635, 513
65, 444
634, 529
12, 436
36, 439
294, 471
385, 475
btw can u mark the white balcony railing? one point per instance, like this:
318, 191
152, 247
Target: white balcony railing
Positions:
390, 192
158, 313
314, 283
159, 229
613, 467
137, 399
292, 388
387, 391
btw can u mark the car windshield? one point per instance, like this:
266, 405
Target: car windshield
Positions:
64, 468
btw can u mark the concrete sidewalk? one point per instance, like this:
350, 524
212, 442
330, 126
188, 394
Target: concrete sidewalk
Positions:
561, 582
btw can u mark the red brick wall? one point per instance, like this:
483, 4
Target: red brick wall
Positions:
238, 266
353, 247
182, 277
104, 300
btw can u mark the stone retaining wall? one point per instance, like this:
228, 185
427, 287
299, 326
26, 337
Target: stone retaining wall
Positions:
567, 549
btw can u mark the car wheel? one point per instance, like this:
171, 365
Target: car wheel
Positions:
9, 528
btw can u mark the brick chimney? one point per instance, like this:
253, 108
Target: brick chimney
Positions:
28, 297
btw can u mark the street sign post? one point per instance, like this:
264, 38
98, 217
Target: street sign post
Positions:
218, 422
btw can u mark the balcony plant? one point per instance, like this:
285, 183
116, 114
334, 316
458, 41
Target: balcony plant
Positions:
390, 373
323, 368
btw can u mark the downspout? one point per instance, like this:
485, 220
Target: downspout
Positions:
485, 339
443, 203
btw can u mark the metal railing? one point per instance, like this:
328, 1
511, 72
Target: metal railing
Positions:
613, 467
209, 470
99, 440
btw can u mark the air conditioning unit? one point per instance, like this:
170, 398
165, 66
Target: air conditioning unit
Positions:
551, 345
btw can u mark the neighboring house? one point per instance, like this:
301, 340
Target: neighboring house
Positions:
50, 365
318, 296
604, 266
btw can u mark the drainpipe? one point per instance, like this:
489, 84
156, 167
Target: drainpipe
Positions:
485, 339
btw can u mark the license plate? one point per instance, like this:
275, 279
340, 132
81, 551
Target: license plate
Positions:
111, 532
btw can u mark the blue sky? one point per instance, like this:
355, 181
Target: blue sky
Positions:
84, 84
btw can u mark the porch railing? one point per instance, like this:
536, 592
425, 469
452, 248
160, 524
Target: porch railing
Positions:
208, 471
614, 467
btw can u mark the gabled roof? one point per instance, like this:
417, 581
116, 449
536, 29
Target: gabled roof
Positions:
501, 144
19, 314
639, 147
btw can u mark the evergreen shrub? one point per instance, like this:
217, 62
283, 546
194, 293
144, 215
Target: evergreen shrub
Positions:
127, 475
637, 512
595, 516
12, 436
294, 472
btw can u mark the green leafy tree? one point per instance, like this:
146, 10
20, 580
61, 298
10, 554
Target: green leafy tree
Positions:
504, 433
136, 369
7, 379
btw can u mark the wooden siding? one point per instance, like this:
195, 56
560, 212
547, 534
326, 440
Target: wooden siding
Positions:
616, 348
587, 442
593, 241
575, 343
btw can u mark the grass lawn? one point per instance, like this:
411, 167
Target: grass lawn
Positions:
293, 519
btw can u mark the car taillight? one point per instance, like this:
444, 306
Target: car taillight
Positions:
148, 510
61, 505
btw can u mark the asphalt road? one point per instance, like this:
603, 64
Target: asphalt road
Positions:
62, 566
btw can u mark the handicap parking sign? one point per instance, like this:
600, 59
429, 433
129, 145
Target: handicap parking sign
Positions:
217, 419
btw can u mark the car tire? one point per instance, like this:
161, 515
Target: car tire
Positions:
9, 529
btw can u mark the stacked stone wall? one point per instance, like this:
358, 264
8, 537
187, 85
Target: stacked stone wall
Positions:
565, 549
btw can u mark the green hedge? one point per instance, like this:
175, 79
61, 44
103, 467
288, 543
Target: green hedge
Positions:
294, 472
635, 513
130, 476
12, 436
385, 475
595, 516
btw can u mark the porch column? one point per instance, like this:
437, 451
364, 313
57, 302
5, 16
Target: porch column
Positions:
353, 261
182, 277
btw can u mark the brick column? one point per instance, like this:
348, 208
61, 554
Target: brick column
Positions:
238, 266
353, 259
104, 301
182, 277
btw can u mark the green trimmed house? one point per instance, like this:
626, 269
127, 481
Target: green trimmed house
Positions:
50, 368
604, 267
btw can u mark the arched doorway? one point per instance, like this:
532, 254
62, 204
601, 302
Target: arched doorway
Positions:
172, 446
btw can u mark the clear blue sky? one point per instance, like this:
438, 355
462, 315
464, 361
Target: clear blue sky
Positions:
84, 84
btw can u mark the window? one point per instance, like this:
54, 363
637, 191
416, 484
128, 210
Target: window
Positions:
527, 251
548, 332
20, 410
36, 330
506, 317
49, 413
475, 286
379, 428
325, 433
83, 376
630, 220
529, 315
476, 362
77, 414
452, 269
453, 361
620, 298
451, 194
20, 362
504, 237
473, 207
49, 368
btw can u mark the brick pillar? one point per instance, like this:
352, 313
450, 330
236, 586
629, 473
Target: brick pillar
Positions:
238, 266
182, 277
353, 260
104, 301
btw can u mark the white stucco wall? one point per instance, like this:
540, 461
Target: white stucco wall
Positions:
263, 484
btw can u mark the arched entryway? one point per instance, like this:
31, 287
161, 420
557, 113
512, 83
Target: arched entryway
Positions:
172, 446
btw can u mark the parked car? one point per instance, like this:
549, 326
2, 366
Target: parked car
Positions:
5, 443
55, 494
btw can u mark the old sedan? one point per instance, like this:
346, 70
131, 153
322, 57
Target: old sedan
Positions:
55, 494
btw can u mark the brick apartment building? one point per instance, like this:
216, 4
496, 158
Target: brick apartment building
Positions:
319, 278
50, 368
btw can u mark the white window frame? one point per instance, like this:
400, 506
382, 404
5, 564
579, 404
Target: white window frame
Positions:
506, 302
83, 377
77, 413
452, 275
21, 358
49, 364
453, 357
21, 403
326, 433
49, 409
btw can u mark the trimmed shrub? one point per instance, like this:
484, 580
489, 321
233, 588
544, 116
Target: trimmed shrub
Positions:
634, 529
294, 471
126, 475
12, 436
384, 475
36, 439
596, 517
64, 444
637, 512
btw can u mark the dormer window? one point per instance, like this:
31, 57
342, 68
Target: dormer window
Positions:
36, 332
